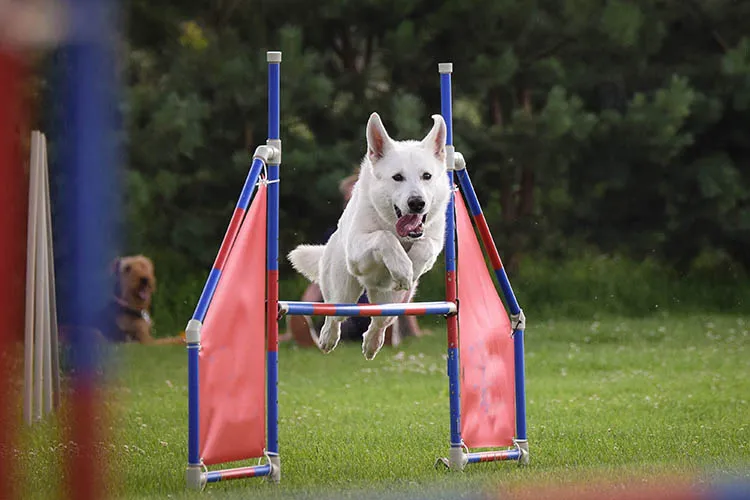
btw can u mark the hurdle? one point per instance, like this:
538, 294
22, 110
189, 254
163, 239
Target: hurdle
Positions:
228, 354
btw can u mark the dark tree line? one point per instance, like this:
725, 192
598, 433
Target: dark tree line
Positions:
588, 125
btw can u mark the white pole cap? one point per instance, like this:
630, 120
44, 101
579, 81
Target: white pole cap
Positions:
445, 67
273, 56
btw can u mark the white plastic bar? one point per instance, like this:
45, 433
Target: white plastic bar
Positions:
53, 344
28, 375
43, 275
39, 288
33, 355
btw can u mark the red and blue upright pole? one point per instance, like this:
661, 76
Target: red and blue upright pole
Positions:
272, 264
457, 459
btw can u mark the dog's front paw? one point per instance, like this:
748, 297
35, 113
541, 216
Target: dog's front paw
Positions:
329, 338
403, 279
372, 342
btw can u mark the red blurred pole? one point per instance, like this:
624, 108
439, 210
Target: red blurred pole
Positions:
14, 191
84, 464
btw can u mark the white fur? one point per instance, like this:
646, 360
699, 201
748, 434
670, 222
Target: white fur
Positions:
306, 260
366, 252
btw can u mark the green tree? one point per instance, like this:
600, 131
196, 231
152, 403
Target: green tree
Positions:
587, 124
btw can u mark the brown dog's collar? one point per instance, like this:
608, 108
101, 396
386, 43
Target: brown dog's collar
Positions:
139, 313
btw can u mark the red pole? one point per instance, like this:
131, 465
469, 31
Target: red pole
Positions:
14, 189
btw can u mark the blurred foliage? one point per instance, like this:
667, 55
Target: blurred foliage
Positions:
612, 125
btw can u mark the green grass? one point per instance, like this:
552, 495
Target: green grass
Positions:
579, 285
614, 398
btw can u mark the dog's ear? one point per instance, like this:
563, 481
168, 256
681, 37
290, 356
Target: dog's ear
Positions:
378, 141
114, 267
435, 140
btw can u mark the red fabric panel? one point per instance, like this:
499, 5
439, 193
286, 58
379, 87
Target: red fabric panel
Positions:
487, 366
232, 359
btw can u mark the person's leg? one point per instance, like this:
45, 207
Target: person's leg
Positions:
410, 327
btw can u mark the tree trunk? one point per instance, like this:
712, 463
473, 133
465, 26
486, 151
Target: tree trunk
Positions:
506, 184
249, 139
497, 109
525, 204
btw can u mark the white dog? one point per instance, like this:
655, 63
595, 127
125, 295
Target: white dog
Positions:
390, 233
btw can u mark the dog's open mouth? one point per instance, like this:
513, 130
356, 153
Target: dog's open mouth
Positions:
409, 225
143, 292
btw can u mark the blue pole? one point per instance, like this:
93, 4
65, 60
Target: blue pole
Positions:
446, 109
446, 101
272, 255
518, 353
193, 408
453, 349
90, 158
272, 311
274, 101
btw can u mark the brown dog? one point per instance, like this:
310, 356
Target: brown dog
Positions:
127, 316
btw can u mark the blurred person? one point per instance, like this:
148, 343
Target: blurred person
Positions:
31, 24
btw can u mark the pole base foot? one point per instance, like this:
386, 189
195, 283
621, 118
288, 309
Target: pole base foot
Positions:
456, 461
275, 475
523, 445
194, 477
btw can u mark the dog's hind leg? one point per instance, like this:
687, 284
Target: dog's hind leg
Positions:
337, 287
374, 337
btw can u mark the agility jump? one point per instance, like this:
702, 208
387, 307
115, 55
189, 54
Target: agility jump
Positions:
232, 416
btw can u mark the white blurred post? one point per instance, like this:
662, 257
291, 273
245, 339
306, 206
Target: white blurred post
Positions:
41, 357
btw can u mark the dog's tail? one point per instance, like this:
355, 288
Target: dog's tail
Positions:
306, 258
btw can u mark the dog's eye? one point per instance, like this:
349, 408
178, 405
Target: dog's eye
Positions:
398, 177
427, 176
126, 269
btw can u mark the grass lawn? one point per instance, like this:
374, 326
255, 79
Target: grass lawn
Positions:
615, 399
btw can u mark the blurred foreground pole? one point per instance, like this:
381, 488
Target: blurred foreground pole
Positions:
13, 213
90, 161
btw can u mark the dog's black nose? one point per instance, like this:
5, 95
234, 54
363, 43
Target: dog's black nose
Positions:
144, 281
416, 204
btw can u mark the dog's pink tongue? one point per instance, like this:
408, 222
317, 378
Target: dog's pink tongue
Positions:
408, 224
